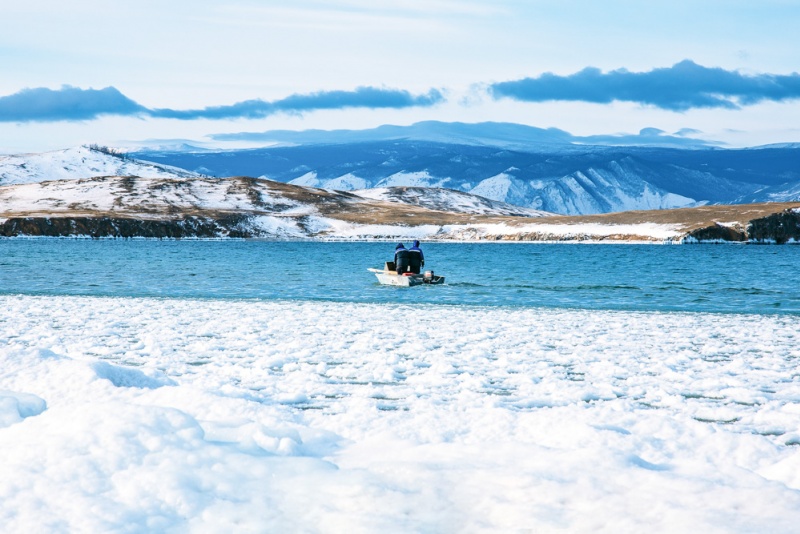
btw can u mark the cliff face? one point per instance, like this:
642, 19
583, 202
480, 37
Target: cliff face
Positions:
122, 227
779, 228
716, 233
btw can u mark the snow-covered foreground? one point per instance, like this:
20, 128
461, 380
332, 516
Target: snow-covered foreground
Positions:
136, 415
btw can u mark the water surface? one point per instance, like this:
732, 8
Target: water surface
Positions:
716, 278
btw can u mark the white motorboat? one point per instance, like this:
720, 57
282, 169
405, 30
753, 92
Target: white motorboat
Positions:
388, 276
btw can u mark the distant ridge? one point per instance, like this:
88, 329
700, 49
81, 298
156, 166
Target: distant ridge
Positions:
497, 134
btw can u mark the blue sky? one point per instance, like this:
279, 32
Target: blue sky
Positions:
122, 72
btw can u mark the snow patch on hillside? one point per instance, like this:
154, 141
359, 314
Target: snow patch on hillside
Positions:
329, 228
411, 179
447, 200
558, 232
351, 182
782, 193
503, 188
148, 197
347, 182
309, 179
336, 229
277, 227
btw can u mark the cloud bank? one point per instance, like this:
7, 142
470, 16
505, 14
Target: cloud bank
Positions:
363, 97
75, 104
685, 85
65, 104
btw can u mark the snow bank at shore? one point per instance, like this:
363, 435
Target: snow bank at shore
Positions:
252, 416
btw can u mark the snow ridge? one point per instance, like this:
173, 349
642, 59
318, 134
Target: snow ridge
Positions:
80, 162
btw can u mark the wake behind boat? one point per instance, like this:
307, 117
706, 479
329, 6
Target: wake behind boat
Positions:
388, 276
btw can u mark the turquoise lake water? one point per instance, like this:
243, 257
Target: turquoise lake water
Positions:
712, 278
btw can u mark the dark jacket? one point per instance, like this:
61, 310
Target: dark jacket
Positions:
415, 258
401, 259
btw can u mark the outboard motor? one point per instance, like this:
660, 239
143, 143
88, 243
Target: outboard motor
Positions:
427, 277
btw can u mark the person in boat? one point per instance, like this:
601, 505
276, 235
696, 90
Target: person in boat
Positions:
416, 260
401, 259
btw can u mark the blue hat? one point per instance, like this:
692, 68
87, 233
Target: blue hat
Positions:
416, 243
399, 245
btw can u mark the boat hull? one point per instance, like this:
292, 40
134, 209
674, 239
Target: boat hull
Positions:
390, 278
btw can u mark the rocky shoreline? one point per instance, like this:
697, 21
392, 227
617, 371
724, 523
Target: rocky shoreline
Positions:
778, 228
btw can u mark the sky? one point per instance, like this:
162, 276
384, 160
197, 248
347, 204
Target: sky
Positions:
152, 72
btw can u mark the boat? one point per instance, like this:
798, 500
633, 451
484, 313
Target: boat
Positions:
388, 276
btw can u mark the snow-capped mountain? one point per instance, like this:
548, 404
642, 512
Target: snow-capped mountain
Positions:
539, 169
80, 162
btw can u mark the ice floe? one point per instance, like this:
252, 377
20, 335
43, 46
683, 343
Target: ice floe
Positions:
251, 416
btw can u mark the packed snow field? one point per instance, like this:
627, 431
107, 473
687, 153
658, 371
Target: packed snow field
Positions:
142, 414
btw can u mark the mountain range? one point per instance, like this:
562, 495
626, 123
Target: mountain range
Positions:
243, 207
432, 181
547, 170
